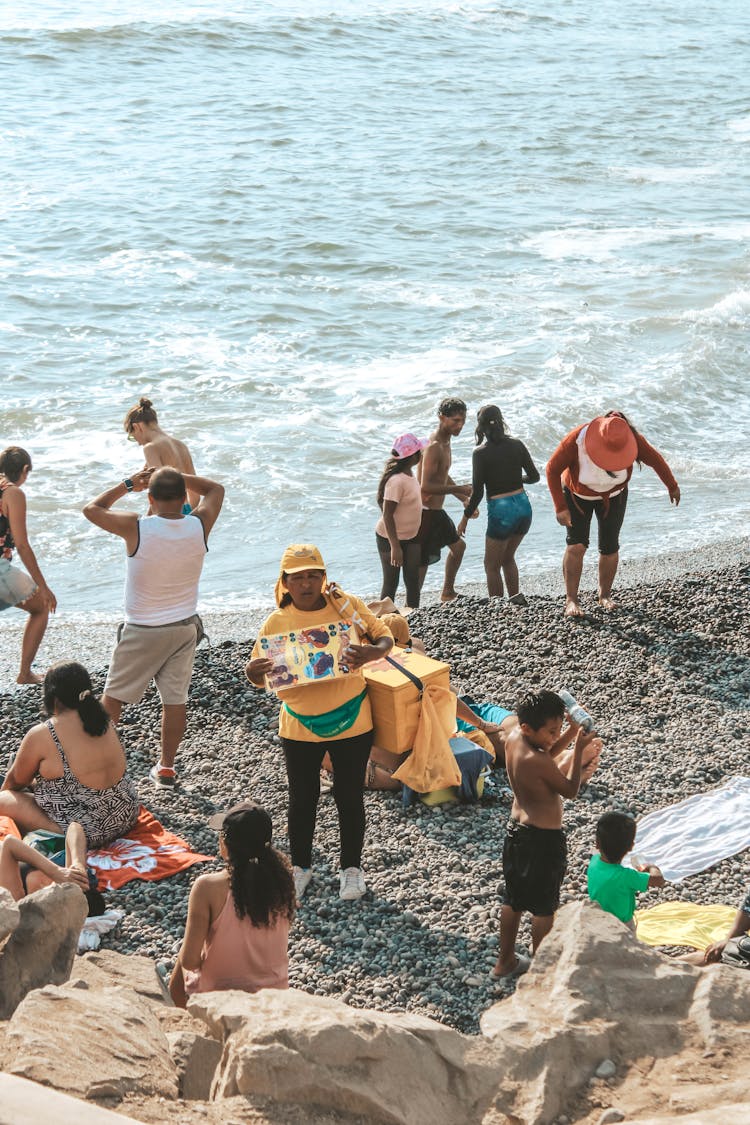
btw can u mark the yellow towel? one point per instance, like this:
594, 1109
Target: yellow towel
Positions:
684, 923
431, 764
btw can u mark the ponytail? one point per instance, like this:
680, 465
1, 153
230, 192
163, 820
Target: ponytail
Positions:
392, 466
69, 684
490, 425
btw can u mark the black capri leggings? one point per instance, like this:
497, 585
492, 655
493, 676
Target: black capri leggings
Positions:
349, 758
609, 517
412, 550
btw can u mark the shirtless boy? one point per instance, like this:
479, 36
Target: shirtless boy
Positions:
438, 529
159, 448
534, 852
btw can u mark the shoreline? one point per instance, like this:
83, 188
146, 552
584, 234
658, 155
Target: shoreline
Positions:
90, 639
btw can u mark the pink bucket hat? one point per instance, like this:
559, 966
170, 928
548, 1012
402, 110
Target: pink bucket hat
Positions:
407, 445
610, 443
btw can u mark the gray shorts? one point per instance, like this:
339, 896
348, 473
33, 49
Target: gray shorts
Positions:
15, 585
162, 653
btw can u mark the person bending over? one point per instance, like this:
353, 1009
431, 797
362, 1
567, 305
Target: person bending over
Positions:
238, 921
534, 850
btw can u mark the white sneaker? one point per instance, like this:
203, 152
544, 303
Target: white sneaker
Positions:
302, 877
352, 883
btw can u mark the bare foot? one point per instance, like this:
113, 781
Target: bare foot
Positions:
607, 602
573, 608
448, 596
29, 678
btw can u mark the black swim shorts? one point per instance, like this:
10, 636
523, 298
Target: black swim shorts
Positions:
534, 865
437, 530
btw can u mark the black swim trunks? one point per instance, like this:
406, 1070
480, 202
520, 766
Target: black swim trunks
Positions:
609, 516
534, 865
437, 530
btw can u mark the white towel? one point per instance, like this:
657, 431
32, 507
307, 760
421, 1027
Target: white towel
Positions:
93, 928
697, 833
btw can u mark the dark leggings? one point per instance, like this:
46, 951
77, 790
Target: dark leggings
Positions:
349, 758
412, 561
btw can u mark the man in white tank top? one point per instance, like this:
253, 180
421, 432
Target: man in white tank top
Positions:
165, 553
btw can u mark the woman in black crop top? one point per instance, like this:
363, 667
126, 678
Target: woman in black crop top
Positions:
501, 466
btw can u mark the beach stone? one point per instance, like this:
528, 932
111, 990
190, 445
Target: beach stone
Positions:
90, 1043
27, 1103
396, 1068
43, 945
196, 1058
610, 1116
606, 1069
10, 915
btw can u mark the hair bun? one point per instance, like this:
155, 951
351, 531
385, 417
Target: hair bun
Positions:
145, 403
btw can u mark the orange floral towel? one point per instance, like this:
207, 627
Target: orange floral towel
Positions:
148, 851
8, 827
431, 764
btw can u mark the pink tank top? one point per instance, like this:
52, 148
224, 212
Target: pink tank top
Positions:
239, 955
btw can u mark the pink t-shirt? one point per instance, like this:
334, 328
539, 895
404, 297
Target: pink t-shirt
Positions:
404, 489
239, 955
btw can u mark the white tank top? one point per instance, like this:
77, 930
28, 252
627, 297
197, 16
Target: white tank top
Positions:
596, 479
161, 580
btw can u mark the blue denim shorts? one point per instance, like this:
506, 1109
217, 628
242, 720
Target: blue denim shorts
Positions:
508, 515
15, 585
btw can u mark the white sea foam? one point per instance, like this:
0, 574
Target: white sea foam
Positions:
732, 311
658, 174
600, 244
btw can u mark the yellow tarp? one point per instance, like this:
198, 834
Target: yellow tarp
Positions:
684, 923
431, 764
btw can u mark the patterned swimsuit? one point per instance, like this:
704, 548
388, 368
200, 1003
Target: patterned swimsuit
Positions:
104, 814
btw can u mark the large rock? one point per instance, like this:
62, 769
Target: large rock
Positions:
593, 993
314, 1051
43, 945
10, 915
90, 1043
26, 1103
196, 1058
103, 968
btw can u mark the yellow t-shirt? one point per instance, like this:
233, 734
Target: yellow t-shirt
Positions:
327, 695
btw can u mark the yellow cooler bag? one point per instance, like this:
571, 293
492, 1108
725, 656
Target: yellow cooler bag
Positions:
395, 700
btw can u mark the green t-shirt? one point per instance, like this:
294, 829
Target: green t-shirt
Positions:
614, 887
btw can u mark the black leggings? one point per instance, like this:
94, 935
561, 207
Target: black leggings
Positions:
349, 758
412, 561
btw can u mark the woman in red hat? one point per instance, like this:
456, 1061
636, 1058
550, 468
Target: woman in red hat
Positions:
588, 476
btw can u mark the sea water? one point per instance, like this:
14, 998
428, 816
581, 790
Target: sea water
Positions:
296, 226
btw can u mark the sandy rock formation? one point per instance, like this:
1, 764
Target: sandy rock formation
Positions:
26, 1103
10, 915
92, 1043
311, 1050
43, 944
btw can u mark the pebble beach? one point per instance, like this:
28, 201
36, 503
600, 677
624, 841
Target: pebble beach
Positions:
666, 677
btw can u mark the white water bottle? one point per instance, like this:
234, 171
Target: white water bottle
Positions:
576, 712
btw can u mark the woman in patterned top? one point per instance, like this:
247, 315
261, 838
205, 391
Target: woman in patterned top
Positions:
26, 591
71, 768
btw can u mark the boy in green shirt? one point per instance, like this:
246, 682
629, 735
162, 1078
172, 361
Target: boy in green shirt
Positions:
610, 884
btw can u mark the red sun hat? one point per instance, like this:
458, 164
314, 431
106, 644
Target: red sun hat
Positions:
610, 443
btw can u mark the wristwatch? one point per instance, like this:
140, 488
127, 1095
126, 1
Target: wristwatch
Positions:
128, 484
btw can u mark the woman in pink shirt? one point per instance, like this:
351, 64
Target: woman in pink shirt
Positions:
238, 919
400, 500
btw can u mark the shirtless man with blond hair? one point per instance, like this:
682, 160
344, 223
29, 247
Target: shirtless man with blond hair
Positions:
160, 449
437, 529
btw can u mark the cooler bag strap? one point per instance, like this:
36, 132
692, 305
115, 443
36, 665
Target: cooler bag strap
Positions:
409, 675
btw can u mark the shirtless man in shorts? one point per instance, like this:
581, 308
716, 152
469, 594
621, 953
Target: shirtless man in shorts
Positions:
535, 851
438, 529
159, 448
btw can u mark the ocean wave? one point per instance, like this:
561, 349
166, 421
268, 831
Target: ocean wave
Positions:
598, 244
662, 174
732, 311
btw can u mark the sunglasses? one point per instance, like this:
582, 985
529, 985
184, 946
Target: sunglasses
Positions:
131, 436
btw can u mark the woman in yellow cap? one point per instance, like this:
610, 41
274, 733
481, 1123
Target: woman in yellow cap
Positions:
324, 708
